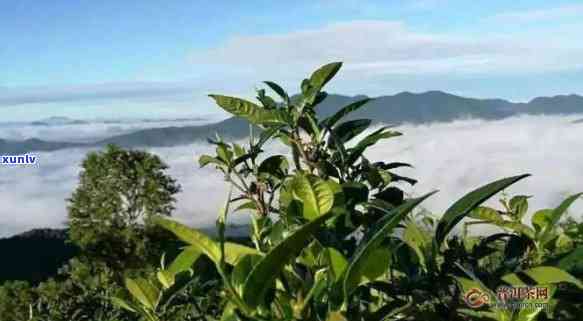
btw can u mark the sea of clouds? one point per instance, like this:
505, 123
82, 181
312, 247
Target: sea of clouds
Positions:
452, 157
90, 132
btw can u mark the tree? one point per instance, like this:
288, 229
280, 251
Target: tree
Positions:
109, 212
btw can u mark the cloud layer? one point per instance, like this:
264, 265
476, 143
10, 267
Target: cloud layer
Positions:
90, 132
374, 47
452, 157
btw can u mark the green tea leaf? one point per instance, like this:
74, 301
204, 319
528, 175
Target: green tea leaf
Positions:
544, 275
276, 166
572, 262
144, 292
519, 206
124, 304
486, 214
344, 111
561, 209
465, 205
204, 160
278, 90
363, 255
191, 236
370, 140
337, 263
315, 193
271, 265
184, 260
165, 278
350, 129
324, 74
541, 219
250, 111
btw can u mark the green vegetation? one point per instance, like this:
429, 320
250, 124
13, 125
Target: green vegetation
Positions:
110, 211
333, 236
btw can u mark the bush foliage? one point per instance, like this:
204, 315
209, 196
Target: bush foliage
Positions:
333, 237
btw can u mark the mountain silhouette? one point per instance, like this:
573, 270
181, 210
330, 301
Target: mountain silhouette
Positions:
405, 107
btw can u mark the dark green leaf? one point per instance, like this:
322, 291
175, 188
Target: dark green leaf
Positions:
278, 90
348, 130
268, 269
363, 254
465, 205
332, 120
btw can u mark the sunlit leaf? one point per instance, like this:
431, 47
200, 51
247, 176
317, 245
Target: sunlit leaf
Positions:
544, 275
144, 292
250, 111
315, 193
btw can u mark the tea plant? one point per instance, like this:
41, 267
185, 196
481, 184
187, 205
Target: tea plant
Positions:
333, 234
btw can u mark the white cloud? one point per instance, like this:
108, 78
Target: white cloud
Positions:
452, 157
90, 132
392, 48
561, 12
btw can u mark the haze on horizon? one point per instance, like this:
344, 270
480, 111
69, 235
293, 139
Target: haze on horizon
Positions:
110, 59
127, 60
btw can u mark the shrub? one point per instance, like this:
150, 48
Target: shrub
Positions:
333, 234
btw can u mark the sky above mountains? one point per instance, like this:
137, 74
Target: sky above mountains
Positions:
87, 59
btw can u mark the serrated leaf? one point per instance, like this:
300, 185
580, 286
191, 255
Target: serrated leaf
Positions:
250, 111
315, 193
271, 265
460, 209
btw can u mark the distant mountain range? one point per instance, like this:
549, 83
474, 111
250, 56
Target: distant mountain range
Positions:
405, 107
58, 121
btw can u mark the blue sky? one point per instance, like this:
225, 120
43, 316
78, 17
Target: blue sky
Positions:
87, 59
